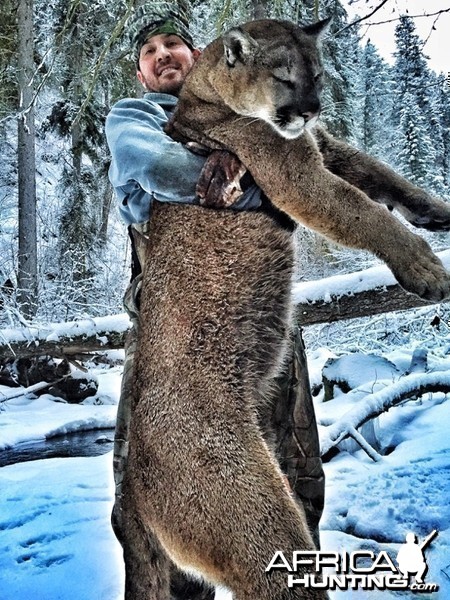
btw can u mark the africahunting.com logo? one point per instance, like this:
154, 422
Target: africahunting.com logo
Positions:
360, 570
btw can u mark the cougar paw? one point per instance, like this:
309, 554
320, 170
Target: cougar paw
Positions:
433, 214
424, 275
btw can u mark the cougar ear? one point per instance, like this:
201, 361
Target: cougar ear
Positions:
238, 46
319, 29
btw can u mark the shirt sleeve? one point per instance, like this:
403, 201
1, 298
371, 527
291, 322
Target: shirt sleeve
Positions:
146, 163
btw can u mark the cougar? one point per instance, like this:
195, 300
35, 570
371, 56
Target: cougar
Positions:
202, 488
255, 92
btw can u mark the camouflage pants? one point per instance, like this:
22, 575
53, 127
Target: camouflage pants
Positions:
293, 421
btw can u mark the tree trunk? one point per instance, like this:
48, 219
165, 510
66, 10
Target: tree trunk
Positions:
27, 258
258, 9
105, 210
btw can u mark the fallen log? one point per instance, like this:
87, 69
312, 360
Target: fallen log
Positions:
361, 304
65, 339
361, 294
364, 293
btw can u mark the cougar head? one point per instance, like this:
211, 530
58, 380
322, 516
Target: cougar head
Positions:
273, 71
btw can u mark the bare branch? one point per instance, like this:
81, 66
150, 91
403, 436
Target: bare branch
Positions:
393, 20
409, 386
427, 15
360, 19
433, 27
359, 439
37, 387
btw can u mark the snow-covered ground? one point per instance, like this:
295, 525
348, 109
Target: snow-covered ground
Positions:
55, 537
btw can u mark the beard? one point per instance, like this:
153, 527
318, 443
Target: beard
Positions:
171, 86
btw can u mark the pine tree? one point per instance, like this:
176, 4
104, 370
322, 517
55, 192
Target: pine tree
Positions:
342, 58
376, 130
8, 50
415, 149
443, 109
89, 78
412, 108
439, 127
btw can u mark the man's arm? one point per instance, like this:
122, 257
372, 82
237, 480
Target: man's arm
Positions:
382, 184
146, 163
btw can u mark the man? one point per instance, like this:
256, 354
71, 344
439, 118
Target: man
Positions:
147, 165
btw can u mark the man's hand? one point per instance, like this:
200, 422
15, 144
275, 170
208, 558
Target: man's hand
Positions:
219, 182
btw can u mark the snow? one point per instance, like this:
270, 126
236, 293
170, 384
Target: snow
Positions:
56, 542
25, 419
55, 538
349, 284
53, 331
370, 368
406, 491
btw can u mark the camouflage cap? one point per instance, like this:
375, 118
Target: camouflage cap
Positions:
156, 17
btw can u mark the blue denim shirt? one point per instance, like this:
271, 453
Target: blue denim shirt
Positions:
147, 164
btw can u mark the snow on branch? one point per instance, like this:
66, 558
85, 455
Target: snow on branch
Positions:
5, 396
414, 385
364, 293
65, 339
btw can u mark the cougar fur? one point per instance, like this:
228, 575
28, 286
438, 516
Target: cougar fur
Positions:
202, 488
255, 92
201, 481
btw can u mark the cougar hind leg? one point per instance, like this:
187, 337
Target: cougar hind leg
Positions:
147, 566
271, 522
231, 520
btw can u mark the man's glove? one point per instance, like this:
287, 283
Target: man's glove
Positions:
219, 183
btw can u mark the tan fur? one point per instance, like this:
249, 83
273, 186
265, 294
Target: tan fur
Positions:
202, 487
293, 172
215, 317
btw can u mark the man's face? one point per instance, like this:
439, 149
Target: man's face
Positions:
164, 62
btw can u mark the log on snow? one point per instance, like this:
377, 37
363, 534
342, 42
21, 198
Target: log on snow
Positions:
361, 294
65, 339
361, 304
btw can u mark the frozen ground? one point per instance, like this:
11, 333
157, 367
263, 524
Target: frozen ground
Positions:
55, 538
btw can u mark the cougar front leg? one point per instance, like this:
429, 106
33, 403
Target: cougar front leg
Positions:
342, 213
382, 184
292, 174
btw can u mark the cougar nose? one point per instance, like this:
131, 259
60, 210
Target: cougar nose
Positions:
311, 107
310, 115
